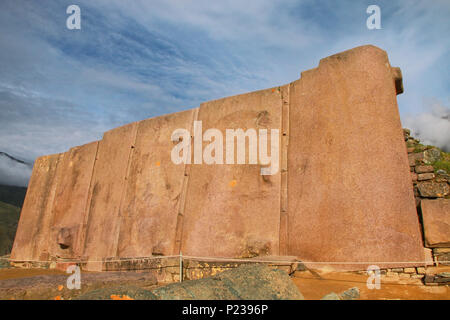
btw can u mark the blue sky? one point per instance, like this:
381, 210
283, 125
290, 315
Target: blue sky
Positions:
138, 59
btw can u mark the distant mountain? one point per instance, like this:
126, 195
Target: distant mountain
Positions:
13, 159
13, 171
9, 217
12, 195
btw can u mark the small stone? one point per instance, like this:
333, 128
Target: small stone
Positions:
433, 190
397, 269
424, 169
413, 158
417, 276
391, 274
441, 171
404, 275
425, 176
350, 294
331, 296
410, 149
409, 270
414, 176
432, 155
421, 270
444, 274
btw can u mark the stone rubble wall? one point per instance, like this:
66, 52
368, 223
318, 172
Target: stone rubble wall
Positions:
432, 195
123, 197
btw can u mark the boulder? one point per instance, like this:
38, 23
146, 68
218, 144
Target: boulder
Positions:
432, 155
118, 293
436, 222
414, 158
248, 282
433, 189
350, 294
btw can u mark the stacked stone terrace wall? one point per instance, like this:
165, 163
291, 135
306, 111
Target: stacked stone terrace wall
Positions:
432, 195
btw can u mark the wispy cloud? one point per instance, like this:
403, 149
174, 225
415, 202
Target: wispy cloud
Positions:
138, 59
432, 127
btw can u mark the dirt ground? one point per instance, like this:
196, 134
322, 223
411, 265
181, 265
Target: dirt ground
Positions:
312, 286
41, 284
315, 286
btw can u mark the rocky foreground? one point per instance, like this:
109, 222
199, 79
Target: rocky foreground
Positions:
245, 282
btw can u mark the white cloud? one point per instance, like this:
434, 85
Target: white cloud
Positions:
431, 127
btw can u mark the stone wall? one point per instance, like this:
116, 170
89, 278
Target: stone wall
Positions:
123, 197
432, 194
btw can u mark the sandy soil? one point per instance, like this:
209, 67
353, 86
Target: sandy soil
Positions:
315, 286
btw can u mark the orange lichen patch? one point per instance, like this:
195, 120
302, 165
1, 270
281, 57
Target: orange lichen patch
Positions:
57, 298
117, 297
158, 163
232, 183
60, 287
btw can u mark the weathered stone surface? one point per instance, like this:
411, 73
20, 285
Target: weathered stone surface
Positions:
415, 158
250, 282
431, 155
424, 169
433, 189
429, 260
331, 296
153, 190
350, 294
123, 292
350, 92
107, 185
71, 200
421, 270
34, 224
234, 205
442, 255
436, 222
437, 276
425, 176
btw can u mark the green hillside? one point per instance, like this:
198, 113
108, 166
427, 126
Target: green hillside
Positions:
9, 217
12, 195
